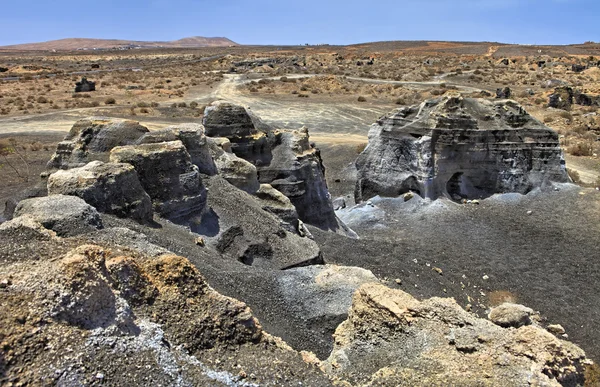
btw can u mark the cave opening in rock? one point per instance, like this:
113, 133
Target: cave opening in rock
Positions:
456, 186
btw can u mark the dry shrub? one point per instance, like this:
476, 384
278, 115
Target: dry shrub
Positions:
581, 149
361, 147
110, 101
362, 99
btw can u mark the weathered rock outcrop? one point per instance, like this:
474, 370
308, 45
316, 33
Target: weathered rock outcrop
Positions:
250, 138
460, 148
167, 174
65, 215
89, 315
90, 139
109, 187
193, 138
85, 85
239, 172
237, 225
284, 159
564, 97
392, 339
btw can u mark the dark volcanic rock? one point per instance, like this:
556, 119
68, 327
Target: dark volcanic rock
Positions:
577, 68
111, 188
193, 138
84, 85
284, 159
90, 139
167, 174
65, 215
504, 93
250, 138
238, 226
37, 191
459, 148
562, 98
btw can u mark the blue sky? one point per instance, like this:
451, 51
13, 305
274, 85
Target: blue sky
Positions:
303, 21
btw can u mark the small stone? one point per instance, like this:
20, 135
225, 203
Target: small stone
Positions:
556, 329
486, 277
511, 315
242, 374
398, 281
409, 195
99, 376
529, 212
5, 283
200, 242
476, 202
438, 270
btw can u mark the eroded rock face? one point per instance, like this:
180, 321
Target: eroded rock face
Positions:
239, 172
109, 187
167, 174
65, 215
392, 339
284, 159
103, 317
238, 227
193, 138
90, 139
462, 148
250, 138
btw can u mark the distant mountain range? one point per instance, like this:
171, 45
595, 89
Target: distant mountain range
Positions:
73, 44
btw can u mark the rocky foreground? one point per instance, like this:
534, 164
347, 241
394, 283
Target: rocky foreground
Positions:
95, 289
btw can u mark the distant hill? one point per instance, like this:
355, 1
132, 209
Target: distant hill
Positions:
73, 44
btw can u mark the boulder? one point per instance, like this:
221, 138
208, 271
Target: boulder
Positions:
504, 93
511, 315
91, 138
392, 339
577, 68
167, 174
84, 85
562, 98
193, 138
65, 215
109, 187
461, 148
37, 191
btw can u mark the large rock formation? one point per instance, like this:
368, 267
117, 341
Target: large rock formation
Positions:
90, 139
392, 339
284, 159
250, 138
238, 226
167, 174
109, 187
460, 148
193, 138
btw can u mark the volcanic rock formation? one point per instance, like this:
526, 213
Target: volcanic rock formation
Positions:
109, 187
392, 339
284, 159
462, 148
167, 174
90, 139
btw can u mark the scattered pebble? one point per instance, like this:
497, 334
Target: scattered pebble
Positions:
99, 376
529, 212
398, 281
438, 270
486, 277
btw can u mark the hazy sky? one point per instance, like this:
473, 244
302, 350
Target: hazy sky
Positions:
303, 21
